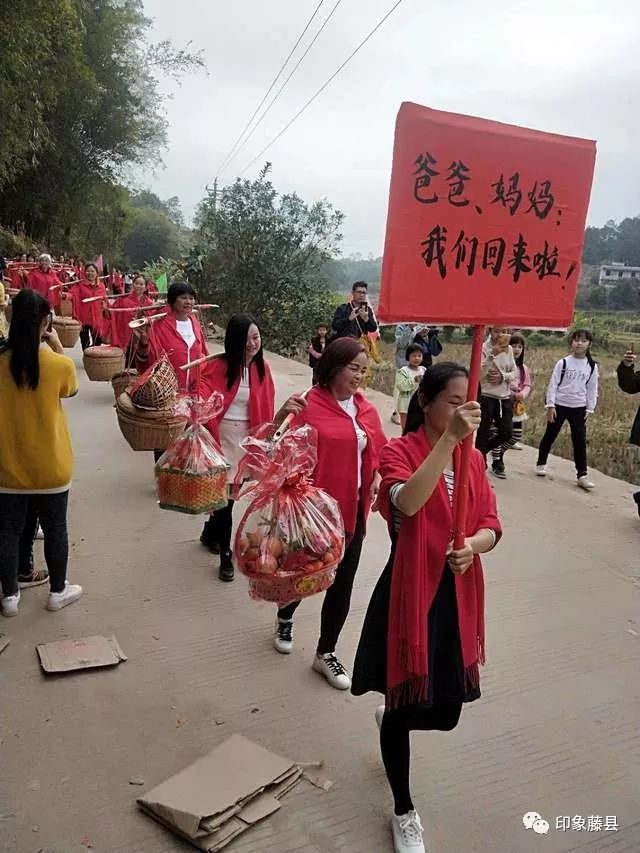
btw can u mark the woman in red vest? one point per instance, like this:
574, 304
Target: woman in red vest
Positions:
350, 438
244, 379
120, 332
90, 315
179, 336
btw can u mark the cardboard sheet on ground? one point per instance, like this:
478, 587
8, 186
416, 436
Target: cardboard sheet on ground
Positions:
82, 653
485, 223
223, 793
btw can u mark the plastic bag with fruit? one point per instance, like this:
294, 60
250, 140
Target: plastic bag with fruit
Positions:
291, 537
191, 475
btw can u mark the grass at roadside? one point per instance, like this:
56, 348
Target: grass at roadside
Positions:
608, 429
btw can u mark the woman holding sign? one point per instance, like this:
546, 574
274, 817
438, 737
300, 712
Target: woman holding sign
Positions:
423, 637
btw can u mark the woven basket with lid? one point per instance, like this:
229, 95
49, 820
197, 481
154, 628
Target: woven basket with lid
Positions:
103, 362
68, 331
147, 430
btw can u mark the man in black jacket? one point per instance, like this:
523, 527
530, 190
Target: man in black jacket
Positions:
355, 318
629, 381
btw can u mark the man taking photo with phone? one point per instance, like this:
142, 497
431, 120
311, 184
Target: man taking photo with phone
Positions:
355, 318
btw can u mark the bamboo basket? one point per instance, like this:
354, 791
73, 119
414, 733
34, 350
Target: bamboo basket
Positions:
145, 430
103, 362
68, 331
121, 381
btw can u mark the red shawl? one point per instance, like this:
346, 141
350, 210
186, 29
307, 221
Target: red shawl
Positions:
417, 570
262, 395
165, 339
89, 313
41, 282
119, 322
337, 468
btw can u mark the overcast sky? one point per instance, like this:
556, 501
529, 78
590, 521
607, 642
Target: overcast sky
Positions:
568, 66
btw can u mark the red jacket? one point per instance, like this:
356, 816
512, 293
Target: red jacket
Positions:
337, 468
262, 395
164, 338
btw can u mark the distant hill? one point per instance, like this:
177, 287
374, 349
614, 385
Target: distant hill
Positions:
341, 273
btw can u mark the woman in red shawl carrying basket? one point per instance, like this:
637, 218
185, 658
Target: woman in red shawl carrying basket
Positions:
244, 379
350, 438
90, 315
133, 302
423, 637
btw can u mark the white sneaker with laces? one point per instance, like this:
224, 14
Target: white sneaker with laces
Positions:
70, 593
517, 446
283, 636
541, 470
329, 666
585, 483
379, 715
407, 833
10, 604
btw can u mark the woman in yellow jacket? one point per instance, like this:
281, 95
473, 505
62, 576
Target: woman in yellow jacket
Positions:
35, 452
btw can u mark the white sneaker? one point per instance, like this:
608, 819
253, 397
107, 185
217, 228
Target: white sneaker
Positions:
395, 418
517, 446
541, 470
379, 715
585, 483
70, 593
10, 604
407, 833
283, 636
333, 671
39, 533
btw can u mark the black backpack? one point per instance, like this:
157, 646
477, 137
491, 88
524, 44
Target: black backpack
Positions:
564, 371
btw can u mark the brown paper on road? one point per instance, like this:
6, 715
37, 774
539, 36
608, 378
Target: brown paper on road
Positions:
223, 793
83, 653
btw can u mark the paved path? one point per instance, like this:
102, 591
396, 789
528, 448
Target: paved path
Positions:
556, 730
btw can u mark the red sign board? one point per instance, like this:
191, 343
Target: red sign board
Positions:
486, 222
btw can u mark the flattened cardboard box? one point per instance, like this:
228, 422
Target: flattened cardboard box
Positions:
83, 653
223, 793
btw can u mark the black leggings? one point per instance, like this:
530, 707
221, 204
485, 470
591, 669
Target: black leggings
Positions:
396, 747
495, 413
18, 510
578, 424
222, 524
337, 599
89, 338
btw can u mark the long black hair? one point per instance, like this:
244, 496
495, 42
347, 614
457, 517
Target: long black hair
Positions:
435, 380
588, 336
519, 339
235, 348
28, 310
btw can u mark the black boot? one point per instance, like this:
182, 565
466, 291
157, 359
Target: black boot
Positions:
207, 537
226, 572
636, 498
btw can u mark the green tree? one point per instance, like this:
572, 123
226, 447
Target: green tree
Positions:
96, 91
151, 236
264, 252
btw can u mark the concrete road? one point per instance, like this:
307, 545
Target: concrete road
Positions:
556, 731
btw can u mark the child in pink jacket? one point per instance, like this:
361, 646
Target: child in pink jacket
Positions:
520, 390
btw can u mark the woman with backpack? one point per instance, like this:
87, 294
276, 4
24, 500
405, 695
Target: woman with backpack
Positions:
572, 396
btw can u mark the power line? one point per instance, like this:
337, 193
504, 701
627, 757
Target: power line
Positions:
284, 85
324, 86
268, 92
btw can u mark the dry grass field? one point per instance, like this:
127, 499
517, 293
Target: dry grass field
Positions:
608, 429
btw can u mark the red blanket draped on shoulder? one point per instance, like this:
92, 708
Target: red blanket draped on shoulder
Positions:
262, 394
42, 282
337, 468
119, 321
89, 313
165, 339
420, 558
